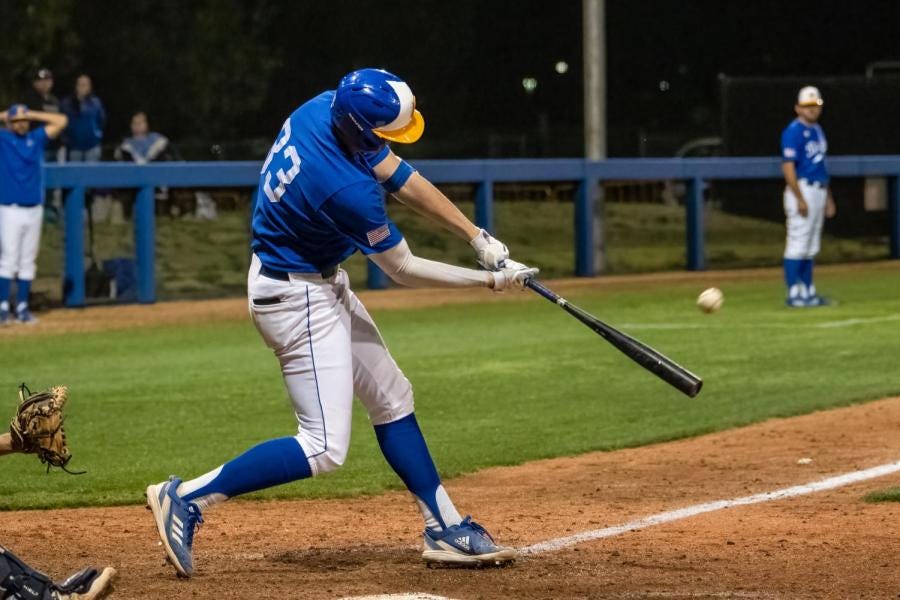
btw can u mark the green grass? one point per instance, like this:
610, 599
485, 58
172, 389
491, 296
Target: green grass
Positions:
888, 495
496, 384
207, 259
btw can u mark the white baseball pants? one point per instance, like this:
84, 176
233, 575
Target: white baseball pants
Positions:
20, 239
804, 234
329, 348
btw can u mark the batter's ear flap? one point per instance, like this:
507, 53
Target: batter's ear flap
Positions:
408, 134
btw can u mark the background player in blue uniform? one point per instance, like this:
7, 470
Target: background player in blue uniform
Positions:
21, 202
807, 197
320, 199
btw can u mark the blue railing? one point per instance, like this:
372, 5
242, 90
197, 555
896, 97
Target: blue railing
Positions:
483, 173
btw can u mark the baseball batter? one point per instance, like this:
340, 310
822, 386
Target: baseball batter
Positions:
807, 197
21, 203
320, 199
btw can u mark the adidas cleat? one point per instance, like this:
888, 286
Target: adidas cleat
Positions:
466, 544
176, 520
25, 317
818, 301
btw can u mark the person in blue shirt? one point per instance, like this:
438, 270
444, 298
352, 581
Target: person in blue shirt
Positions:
807, 197
21, 203
320, 199
87, 120
144, 146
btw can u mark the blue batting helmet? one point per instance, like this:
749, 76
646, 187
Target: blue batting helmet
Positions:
372, 105
17, 112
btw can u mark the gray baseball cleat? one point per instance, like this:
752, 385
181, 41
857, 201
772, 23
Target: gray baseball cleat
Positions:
176, 520
466, 544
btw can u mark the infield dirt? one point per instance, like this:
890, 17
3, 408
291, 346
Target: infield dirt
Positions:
825, 545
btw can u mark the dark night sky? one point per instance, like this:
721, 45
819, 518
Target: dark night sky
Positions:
465, 60
690, 43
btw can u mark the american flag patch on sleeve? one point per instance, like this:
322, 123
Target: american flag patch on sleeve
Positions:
378, 235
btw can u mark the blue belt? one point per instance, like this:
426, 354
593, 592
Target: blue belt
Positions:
816, 184
283, 276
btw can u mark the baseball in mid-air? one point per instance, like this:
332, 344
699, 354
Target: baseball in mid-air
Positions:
710, 300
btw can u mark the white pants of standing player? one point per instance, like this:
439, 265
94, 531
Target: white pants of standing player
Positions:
329, 348
20, 239
804, 234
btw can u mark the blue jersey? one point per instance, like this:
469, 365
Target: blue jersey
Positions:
21, 167
87, 119
806, 146
317, 204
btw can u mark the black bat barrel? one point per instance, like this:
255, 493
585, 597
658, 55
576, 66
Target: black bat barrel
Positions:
655, 362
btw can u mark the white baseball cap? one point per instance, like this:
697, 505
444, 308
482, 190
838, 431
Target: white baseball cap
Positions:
810, 96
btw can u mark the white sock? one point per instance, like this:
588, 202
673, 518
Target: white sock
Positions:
449, 514
207, 500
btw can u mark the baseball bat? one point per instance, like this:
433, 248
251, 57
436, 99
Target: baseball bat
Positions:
658, 364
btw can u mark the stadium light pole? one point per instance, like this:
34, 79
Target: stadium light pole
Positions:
589, 243
594, 49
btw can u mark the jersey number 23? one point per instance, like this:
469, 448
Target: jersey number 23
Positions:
287, 159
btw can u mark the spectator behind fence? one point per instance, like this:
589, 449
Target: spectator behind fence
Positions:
83, 139
40, 97
21, 197
87, 119
143, 146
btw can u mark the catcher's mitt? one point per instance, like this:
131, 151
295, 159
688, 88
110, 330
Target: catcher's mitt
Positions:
37, 427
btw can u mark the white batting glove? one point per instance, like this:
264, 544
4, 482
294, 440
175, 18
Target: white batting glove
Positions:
491, 251
512, 275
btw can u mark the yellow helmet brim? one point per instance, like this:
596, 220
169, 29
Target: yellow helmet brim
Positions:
407, 134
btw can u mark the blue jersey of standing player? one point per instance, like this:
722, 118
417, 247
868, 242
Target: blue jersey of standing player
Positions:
806, 146
21, 172
317, 203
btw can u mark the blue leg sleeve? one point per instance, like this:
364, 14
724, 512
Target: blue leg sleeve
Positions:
23, 289
404, 448
263, 466
795, 285
806, 271
5, 288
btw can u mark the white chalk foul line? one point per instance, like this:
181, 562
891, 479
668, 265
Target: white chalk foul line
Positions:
410, 596
675, 515
698, 509
858, 321
785, 325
